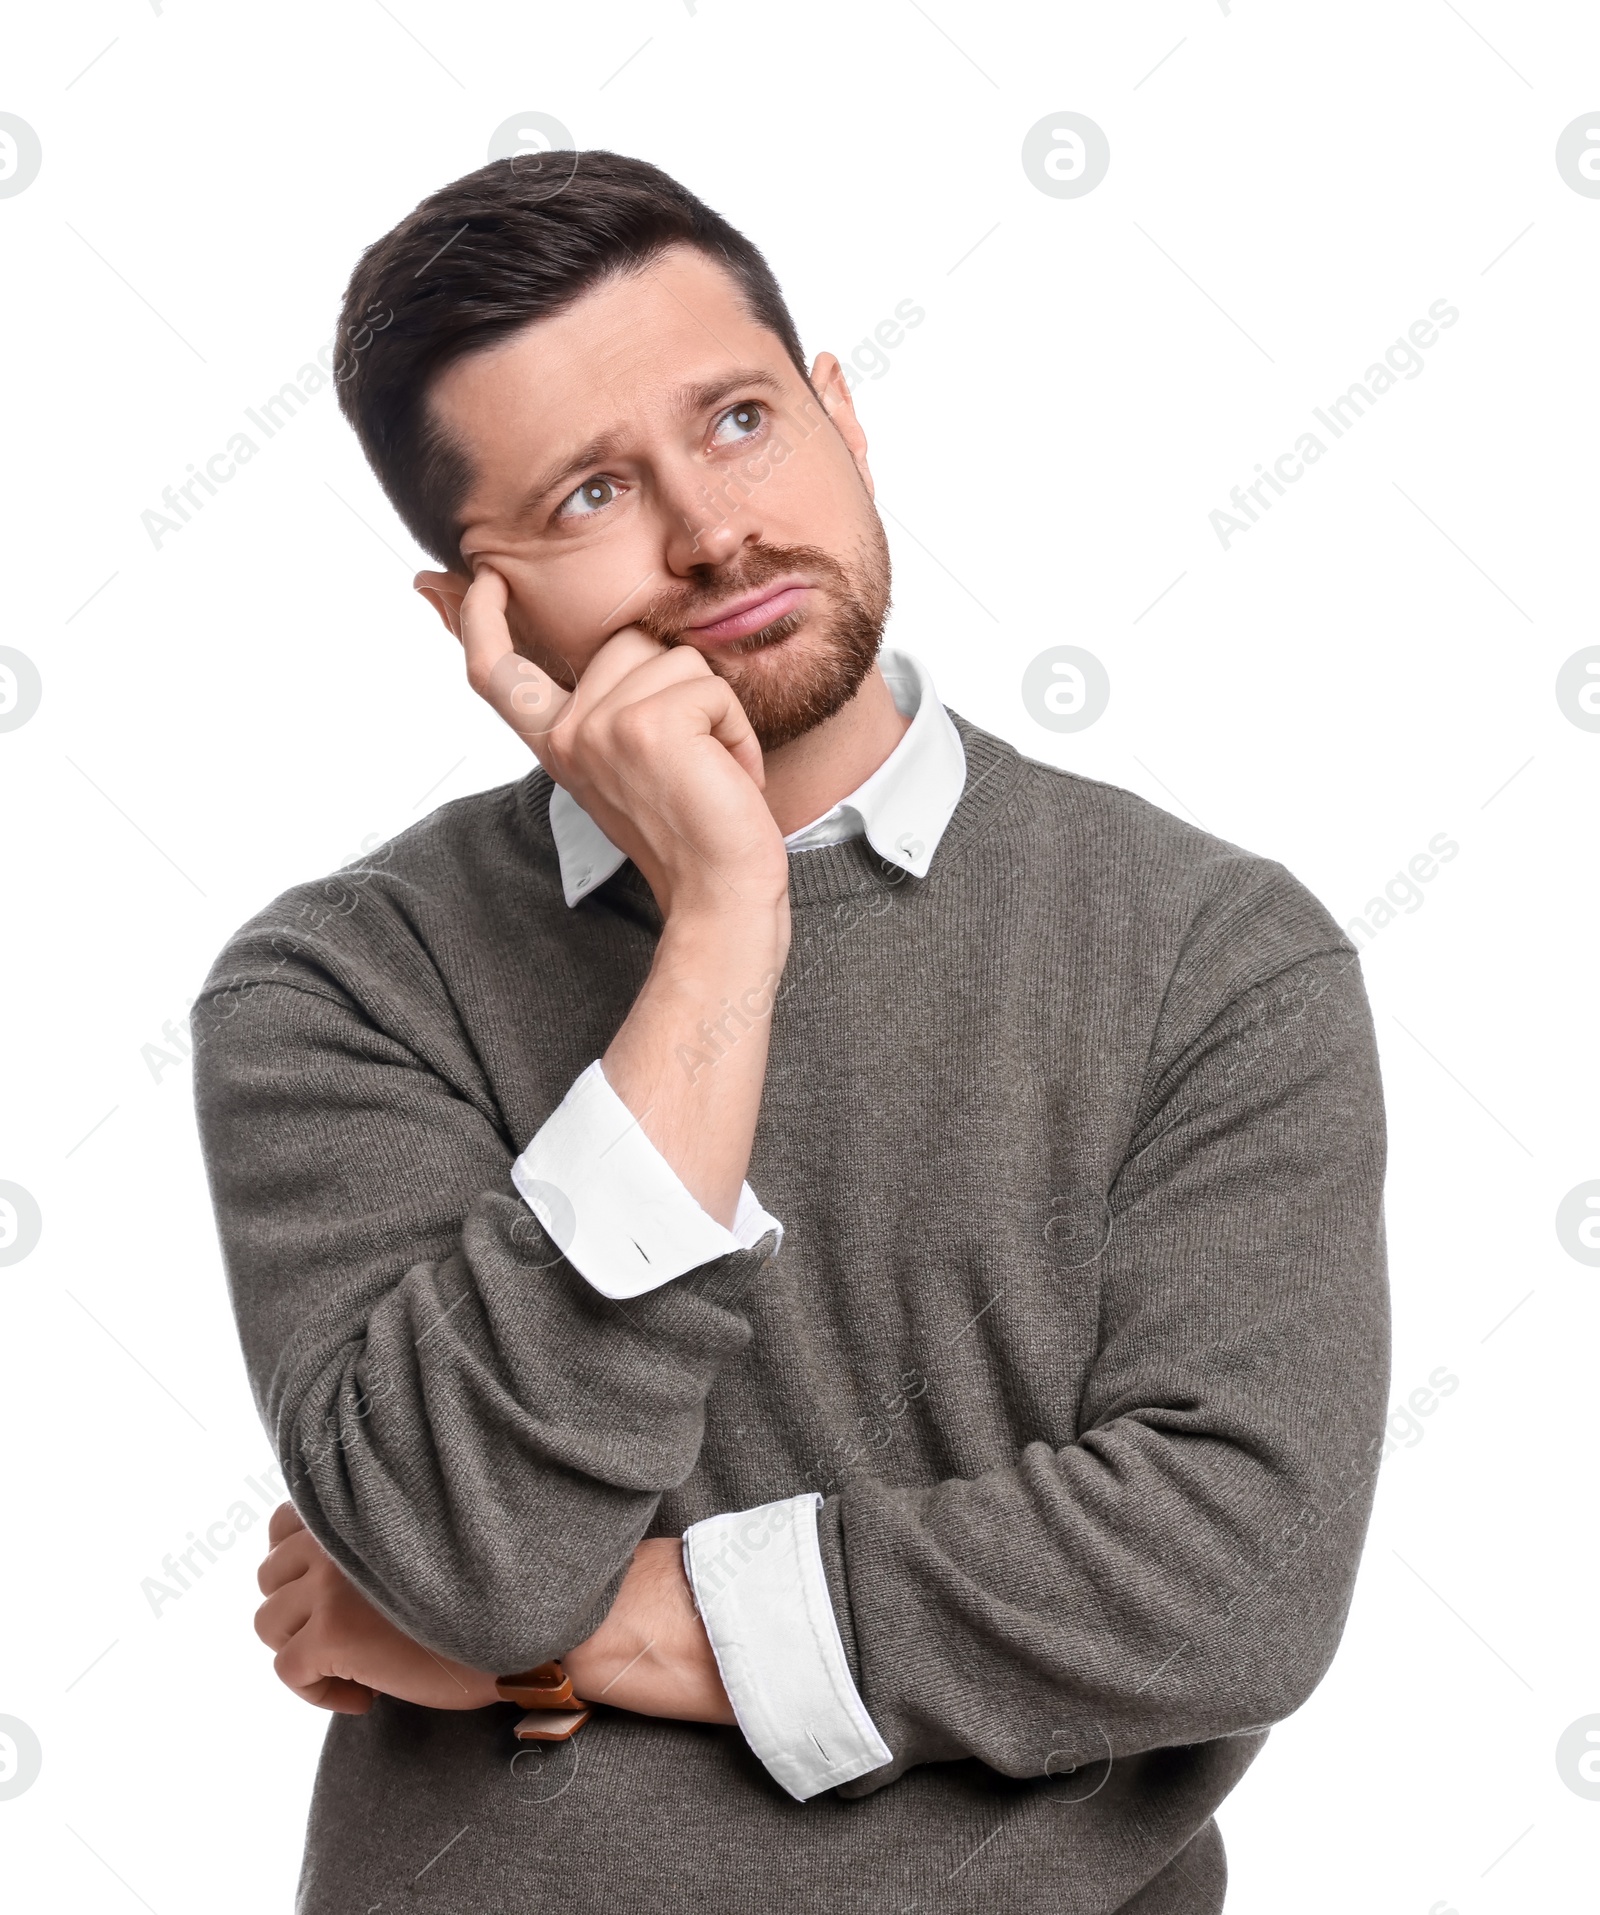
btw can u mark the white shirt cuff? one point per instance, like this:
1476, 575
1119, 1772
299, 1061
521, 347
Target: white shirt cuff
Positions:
763, 1596
612, 1202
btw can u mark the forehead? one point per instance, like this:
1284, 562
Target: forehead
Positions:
611, 362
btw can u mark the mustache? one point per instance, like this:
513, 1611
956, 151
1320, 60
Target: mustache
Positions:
669, 615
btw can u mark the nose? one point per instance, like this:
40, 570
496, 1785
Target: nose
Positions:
707, 523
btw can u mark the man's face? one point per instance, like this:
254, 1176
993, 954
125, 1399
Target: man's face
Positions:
652, 457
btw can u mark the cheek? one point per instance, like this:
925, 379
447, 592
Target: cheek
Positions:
570, 602
815, 497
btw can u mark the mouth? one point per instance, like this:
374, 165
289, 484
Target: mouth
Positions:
750, 614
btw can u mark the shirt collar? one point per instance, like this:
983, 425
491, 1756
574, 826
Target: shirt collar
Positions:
902, 809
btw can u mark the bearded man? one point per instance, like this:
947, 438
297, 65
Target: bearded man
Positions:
865, 1249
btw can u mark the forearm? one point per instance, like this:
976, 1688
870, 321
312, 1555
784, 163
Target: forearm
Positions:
428, 1354
690, 1058
335, 1649
566, 1413
651, 1654
1174, 1566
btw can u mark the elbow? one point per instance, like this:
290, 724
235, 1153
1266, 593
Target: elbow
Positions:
502, 1626
1276, 1675
494, 1559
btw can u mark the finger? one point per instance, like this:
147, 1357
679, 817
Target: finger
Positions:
710, 701
623, 652
528, 699
288, 1562
300, 1666
285, 1520
344, 1698
298, 1671
634, 674
731, 727
284, 1613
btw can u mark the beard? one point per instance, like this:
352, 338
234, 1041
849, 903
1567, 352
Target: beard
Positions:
786, 688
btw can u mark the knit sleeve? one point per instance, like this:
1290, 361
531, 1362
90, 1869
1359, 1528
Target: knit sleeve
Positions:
1182, 1569
475, 1434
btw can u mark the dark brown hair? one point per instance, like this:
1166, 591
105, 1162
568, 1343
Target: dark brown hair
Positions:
516, 241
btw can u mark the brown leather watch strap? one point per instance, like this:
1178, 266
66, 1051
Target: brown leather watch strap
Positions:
554, 1712
547, 1687
552, 1725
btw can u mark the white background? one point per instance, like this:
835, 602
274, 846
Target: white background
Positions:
1372, 664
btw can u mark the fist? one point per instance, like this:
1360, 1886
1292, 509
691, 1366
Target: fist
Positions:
333, 1648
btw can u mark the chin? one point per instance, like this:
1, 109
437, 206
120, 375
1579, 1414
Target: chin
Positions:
797, 672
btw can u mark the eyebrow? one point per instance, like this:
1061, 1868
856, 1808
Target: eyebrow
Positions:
685, 403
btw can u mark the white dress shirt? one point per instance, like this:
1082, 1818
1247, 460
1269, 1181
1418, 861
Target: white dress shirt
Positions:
627, 1224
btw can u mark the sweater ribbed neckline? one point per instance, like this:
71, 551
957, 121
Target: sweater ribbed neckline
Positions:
827, 872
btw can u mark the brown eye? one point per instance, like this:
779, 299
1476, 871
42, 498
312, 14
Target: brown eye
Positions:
589, 498
739, 421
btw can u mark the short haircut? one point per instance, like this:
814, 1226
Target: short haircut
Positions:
514, 242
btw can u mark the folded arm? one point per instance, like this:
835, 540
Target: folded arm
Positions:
336, 1650
1181, 1570
475, 1435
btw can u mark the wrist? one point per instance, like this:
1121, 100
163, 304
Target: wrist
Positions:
709, 968
714, 891
478, 1686
725, 939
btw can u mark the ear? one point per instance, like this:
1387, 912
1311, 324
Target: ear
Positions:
828, 380
444, 591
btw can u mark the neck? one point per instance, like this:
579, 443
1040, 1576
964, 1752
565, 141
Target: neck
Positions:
810, 774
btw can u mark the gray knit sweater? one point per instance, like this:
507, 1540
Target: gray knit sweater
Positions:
1080, 1325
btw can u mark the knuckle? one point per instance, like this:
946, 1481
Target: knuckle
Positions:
634, 727
687, 662
309, 1646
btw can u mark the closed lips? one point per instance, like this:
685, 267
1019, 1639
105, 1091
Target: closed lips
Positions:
750, 614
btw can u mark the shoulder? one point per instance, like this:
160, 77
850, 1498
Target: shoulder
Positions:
382, 913
1222, 916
